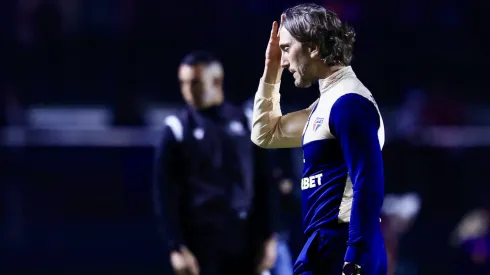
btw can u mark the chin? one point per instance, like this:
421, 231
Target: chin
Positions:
302, 84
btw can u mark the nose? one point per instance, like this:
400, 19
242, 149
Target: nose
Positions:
284, 61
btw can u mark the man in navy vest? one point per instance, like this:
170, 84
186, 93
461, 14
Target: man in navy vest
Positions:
212, 191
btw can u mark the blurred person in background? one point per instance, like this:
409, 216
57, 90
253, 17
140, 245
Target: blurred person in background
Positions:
472, 237
342, 135
398, 215
212, 189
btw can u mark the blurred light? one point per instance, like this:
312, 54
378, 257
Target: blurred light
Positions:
69, 118
405, 206
473, 225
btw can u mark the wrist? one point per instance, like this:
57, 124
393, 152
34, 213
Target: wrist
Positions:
356, 254
272, 74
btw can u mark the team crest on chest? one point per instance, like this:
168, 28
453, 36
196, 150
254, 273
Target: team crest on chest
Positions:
317, 123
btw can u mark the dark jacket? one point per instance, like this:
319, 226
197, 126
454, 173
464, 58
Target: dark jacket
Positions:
208, 172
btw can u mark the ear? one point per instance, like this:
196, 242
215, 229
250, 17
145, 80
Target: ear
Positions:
314, 52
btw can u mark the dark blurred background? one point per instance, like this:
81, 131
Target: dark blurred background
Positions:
85, 85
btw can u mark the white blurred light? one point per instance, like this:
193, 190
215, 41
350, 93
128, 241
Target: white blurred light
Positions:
406, 206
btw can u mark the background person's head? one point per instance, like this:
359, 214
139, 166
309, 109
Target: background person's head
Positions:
201, 80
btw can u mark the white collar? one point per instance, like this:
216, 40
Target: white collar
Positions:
326, 83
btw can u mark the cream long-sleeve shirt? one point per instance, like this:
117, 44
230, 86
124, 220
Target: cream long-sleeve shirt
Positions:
272, 129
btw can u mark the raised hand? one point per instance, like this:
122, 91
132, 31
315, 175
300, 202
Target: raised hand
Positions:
273, 52
273, 69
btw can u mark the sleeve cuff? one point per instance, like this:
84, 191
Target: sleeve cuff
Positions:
356, 255
267, 90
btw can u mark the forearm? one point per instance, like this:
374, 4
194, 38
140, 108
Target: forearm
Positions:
364, 225
267, 108
272, 73
266, 114
271, 129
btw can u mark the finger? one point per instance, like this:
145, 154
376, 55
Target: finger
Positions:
274, 29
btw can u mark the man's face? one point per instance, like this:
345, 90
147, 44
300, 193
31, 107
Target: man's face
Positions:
297, 59
196, 85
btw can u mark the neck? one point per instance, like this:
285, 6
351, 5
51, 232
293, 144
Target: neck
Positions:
211, 104
327, 71
335, 74
211, 100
